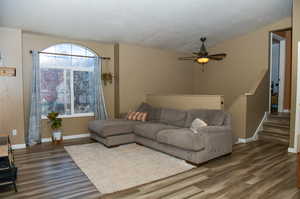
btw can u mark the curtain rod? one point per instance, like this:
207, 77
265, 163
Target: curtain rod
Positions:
62, 54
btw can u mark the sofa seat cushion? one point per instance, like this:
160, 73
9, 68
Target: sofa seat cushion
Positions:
150, 130
106, 128
182, 138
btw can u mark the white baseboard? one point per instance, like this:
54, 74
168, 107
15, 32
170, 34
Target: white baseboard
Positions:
286, 110
246, 140
68, 137
18, 146
292, 150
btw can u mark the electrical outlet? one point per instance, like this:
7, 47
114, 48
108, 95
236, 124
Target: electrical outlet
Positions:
14, 132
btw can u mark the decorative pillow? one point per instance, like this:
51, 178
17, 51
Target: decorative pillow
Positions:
196, 124
144, 117
135, 115
139, 116
130, 115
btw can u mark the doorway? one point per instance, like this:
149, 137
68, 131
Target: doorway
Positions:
280, 71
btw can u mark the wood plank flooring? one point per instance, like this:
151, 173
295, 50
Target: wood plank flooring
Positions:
257, 170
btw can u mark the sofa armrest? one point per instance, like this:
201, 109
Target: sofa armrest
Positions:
217, 139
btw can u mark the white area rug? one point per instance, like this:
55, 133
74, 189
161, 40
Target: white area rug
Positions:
119, 168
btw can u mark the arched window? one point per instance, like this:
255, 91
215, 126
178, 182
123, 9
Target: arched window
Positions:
66, 80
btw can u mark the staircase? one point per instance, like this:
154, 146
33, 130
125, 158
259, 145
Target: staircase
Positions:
276, 128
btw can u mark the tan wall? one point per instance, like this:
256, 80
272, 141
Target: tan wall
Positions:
257, 104
296, 39
11, 90
238, 111
246, 56
186, 102
39, 42
246, 112
151, 71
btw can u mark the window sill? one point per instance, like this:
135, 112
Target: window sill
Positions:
73, 116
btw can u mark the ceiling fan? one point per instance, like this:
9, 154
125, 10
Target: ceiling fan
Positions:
202, 56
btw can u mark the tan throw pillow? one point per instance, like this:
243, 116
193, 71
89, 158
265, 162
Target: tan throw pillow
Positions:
134, 117
130, 115
196, 124
144, 117
139, 116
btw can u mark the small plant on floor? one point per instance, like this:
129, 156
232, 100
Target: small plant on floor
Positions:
55, 124
54, 121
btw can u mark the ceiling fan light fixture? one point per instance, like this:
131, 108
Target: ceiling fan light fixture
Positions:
202, 60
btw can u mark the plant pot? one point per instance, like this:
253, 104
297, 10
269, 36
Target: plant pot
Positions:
57, 136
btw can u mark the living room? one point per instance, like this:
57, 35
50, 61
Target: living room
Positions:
147, 51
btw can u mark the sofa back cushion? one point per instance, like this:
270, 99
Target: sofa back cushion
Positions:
153, 112
211, 117
173, 117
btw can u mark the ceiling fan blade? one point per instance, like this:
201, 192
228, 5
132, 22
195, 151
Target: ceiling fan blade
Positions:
187, 58
217, 56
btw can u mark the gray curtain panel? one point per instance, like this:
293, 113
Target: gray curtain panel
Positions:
100, 109
34, 132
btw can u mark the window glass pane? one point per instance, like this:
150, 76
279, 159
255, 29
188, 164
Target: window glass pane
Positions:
63, 48
47, 60
83, 92
78, 50
83, 62
55, 91
90, 53
63, 61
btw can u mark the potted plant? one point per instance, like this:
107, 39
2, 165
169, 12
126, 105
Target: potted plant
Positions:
55, 124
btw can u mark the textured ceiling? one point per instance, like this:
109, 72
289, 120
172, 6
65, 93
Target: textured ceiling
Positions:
171, 24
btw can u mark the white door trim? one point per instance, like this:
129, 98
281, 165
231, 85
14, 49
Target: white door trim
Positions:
281, 74
270, 67
281, 70
297, 118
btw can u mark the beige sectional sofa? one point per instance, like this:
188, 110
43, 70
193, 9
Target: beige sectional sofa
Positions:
168, 130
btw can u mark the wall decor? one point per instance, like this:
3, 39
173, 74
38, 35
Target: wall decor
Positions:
107, 78
8, 71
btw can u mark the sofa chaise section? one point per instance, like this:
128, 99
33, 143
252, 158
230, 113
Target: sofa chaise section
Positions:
112, 132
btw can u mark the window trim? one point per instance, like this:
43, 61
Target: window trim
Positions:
72, 116
72, 69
